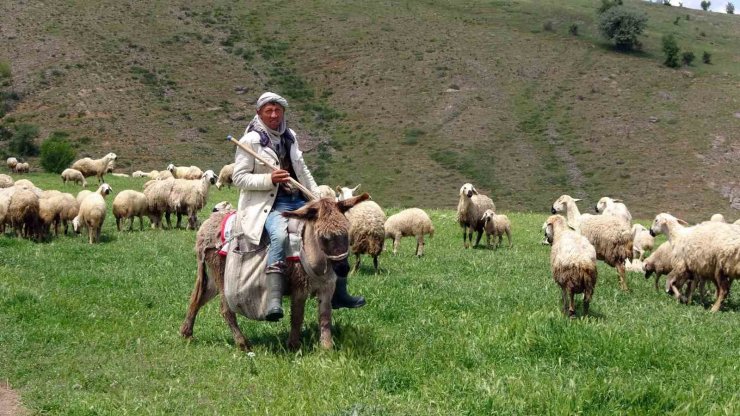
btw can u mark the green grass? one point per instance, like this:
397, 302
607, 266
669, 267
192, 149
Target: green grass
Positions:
94, 330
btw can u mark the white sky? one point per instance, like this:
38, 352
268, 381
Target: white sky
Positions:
716, 6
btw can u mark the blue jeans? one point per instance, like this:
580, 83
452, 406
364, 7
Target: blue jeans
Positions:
276, 227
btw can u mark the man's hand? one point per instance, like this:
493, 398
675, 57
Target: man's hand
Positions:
280, 176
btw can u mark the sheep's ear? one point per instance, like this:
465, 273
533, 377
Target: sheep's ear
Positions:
682, 222
576, 199
355, 188
345, 205
339, 189
308, 212
475, 191
618, 200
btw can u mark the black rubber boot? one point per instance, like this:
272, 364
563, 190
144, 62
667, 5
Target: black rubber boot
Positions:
342, 299
274, 297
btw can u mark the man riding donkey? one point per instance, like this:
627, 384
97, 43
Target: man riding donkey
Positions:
266, 192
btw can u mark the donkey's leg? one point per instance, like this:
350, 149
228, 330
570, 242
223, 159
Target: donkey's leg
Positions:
324, 298
297, 311
203, 291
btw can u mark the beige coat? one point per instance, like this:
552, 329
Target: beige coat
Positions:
257, 192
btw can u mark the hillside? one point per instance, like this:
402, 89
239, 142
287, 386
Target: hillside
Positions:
411, 99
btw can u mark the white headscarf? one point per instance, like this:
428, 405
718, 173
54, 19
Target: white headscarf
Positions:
271, 97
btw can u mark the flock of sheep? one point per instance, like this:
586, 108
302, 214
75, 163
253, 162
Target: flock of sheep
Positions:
709, 251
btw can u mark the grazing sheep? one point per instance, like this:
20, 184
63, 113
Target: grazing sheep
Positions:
325, 191
572, 262
188, 197
5, 195
409, 222
470, 209
496, 226
120, 175
23, 213
92, 213
6, 181
129, 204
367, 227
141, 174
94, 167
642, 241
659, 262
718, 218
158, 195
614, 208
636, 266
82, 195
50, 209
74, 175
610, 236
69, 209
164, 174
11, 163
224, 176
22, 167
185, 172
736, 222
25, 184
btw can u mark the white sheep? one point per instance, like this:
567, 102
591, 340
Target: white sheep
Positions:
610, 236
409, 222
642, 241
224, 176
157, 195
613, 207
636, 266
74, 175
6, 181
659, 262
188, 197
164, 175
120, 175
736, 222
5, 195
69, 209
22, 167
23, 213
92, 213
572, 263
94, 167
11, 163
718, 218
470, 208
129, 204
496, 225
325, 191
141, 174
82, 195
366, 229
185, 172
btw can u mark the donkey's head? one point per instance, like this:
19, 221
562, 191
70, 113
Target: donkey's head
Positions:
327, 225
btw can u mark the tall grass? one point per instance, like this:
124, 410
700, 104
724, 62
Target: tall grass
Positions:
93, 329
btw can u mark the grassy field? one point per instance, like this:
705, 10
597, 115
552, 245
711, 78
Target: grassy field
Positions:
94, 330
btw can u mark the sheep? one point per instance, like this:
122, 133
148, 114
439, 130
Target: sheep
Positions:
5, 195
11, 163
736, 222
610, 236
366, 229
190, 196
718, 218
69, 209
157, 196
74, 175
163, 175
185, 172
56, 208
25, 184
224, 176
23, 213
325, 191
572, 263
141, 174
659, 262
129, 204
496, 225
636, 266
409, 222
470, 209
94, 167
6, 181
120, 175
222, 206
22, 167
92, 213
82, 195
642, 241
708, 251
614, 208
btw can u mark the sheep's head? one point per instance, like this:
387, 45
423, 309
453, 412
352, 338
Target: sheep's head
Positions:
111, 156
468, 190
561, 204
488, 216
105, 189
662, 222
76, 224
223, 206
553, 223
171, 167
649, 266
210, 176
346, 193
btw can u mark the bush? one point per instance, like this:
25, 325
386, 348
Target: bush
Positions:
22, 142
730, 8
705, 5
670, 49
608, 4
706, 57
573, 29
687, 58
622, 26
56, 152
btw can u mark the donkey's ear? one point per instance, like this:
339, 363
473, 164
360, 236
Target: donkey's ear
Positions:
308, 212
339, 189
345, 205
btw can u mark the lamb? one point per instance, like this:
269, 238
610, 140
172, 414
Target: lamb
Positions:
11, 163
367, 228
22, 167
141, 174
74, 175
94, 167
185, 172
614, 208
470, 209
409, 222
92, 213
642, 241
636, 266
6, 181
659, 262
718, 218
496, 225
610, 236
224, 176
129, 204
572, 262
189, 197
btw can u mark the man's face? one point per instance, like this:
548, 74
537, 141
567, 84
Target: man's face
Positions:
271, 114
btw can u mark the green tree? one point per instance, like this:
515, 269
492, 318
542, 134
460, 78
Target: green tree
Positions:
670, 49
705, 5
687, 57
622, 26
56, 152
730, 8
21, 144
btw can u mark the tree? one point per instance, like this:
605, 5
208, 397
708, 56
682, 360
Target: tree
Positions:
730, 8
705, 5
670, 48
622, 26
56, 152
22, 142
608, 4
687, 57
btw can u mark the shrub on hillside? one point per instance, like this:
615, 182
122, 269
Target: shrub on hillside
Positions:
670, 49
706, 57
687, 58
573, 29
705, 5
622, 26
730, 8
56, 152
608, 4
21, 144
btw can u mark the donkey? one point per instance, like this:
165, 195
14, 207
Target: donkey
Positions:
325, 245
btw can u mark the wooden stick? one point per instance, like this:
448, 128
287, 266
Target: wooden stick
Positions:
310, 195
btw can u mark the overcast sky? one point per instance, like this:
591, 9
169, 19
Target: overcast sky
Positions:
716, 6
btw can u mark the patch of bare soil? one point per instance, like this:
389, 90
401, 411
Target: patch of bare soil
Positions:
10, 403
